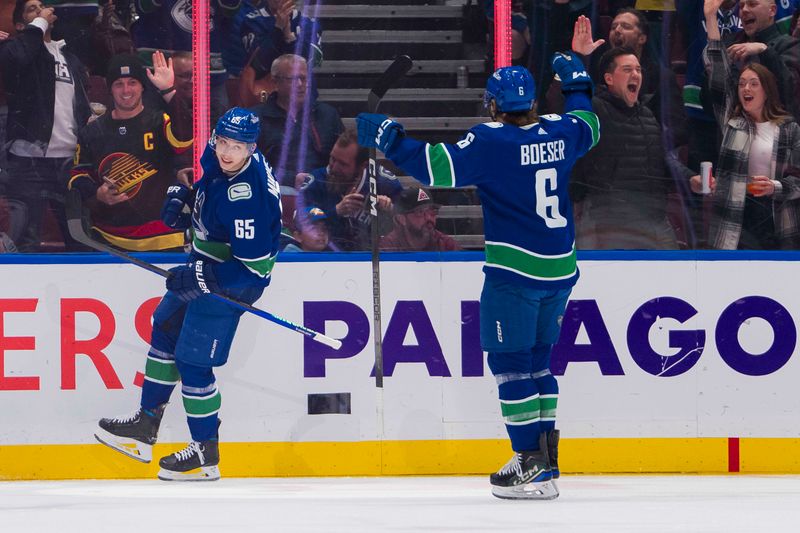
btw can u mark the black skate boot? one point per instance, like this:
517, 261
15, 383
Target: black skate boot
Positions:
552, 452
526, 476
197, 462
133, 435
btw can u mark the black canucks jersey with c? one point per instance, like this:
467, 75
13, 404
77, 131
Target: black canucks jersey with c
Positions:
237, 217
124, 151
522, 176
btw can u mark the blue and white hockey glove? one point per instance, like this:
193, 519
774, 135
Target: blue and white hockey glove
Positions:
378, 131
192, 280
178, 196
572, 73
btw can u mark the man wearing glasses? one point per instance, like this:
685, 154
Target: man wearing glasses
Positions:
298, 131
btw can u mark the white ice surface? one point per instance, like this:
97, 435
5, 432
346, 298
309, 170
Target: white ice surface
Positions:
614, 504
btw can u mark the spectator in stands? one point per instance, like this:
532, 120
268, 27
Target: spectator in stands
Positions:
415, 225
310, 231
74, 21
173, 80
755, 201
340, 190
621, 187
167, 26
47, 104
262, 31
761, 41
659, 87
124, 163
703, 132
298, 131
109, 36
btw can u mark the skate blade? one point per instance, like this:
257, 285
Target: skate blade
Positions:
132, 448
204, 473
546, 490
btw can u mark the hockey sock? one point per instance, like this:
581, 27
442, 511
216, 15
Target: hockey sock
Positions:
519, 398
160, 377
548, 399
547, 386
201, 400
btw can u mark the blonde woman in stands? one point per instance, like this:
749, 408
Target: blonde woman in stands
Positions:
755, 202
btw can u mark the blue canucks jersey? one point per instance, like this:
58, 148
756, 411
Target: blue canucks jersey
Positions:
522, 175
237, 220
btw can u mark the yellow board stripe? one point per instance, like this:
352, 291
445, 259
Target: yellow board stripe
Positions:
396, 458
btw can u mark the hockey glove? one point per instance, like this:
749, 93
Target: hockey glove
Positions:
193, 280
572, 73
178, 197
378, 131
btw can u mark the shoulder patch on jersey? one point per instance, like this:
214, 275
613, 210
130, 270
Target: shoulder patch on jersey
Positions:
551, 117
239, 191
493, 124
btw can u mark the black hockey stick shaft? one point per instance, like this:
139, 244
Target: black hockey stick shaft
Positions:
399, 67
75, 224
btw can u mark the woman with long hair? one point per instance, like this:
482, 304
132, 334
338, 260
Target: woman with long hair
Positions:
757, 180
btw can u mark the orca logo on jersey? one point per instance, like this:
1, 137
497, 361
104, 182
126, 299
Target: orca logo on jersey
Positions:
239, 191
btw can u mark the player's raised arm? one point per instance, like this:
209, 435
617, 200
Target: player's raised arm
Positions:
509, 90
577, 87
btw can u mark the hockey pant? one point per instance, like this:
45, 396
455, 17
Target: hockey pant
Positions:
519, 326
188, 341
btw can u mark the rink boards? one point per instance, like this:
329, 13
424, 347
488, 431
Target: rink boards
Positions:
667, 363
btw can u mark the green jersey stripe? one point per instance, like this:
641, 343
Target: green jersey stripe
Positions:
260, 267
529, 264
220, 251
440, 166
591, 120
202, 406
161, 371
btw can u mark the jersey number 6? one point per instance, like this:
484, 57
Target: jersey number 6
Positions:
546, 205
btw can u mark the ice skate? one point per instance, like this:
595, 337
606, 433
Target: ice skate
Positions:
197, 462
552, 452
527, 476
133, 435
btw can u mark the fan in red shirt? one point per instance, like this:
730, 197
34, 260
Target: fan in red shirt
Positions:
415, 225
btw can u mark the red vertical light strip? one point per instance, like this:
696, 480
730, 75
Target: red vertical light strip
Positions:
502, 33
201, 83
733, 454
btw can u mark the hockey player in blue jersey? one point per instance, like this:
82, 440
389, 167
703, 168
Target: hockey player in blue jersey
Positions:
236, 221
521, 165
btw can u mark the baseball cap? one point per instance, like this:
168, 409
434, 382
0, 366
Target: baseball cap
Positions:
412, 199
125, 66
310, 214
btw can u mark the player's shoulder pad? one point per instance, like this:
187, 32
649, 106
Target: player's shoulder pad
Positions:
554, 123
487, 126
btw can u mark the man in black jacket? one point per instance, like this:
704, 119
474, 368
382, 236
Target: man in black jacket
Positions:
621, 187
762, 42
47, 103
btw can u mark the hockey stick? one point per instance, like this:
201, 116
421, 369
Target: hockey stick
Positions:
75, 224
399, 67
